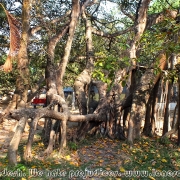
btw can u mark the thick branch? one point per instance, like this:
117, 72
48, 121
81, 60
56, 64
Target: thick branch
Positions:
159, 17
35, 29
47, 113
103, 34
131, 16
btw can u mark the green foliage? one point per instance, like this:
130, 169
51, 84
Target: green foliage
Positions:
123, 83
2, 13
162, 37
72, 145
157, 6
165, 140
105, 68
109, 52
7, 80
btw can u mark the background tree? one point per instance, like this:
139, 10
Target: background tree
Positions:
22, 82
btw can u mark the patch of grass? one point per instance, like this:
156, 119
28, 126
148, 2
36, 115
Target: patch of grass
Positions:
155, 158
165, 140
72, 146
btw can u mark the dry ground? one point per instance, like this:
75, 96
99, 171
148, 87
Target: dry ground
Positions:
96, 154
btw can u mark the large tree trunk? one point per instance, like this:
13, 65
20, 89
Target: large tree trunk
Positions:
154, 110
169, 85
49, 132
141, 20
22, 84
62, 67
82, 82
108, 110
167, 101
19, 99
140, 24
115, 128
140, 99
14, 144
149, 125
49, 128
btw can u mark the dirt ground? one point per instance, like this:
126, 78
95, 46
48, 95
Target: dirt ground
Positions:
95, 153
83, 155
7, 131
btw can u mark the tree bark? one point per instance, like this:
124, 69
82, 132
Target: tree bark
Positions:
13, 147
178, 120
82, 82
140, 99
141, 20
140, 25
167, 101
174, 124
62, 67
169, 85
22, 82
49, 134
148, 129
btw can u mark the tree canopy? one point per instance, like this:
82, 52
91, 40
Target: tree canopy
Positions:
113, 30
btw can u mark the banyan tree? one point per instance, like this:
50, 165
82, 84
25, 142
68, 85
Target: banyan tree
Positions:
133, 49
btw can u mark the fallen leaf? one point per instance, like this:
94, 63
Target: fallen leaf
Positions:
163, 160
122, 169
140, 161
126, 161
67, 157
108, 169
97, 152
176, 168
124, 145
83, 152
153, 163
176, 154
150, 177
134, 151
158, 155
113, 162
